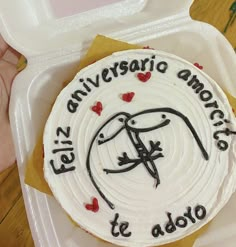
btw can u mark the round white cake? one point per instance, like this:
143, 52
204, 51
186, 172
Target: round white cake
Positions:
140, 148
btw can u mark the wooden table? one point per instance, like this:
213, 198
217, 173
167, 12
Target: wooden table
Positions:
14, 228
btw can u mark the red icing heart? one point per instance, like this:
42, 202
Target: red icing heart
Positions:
97, 108
94, 207
148, 47
128, 96
198, 65
144, 77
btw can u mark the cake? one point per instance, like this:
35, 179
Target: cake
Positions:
139, 148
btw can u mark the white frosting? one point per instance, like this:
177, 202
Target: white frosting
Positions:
187, 179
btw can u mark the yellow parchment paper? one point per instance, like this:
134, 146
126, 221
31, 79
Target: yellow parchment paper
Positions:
100, 48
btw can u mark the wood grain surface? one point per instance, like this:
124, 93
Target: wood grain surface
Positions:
14, 228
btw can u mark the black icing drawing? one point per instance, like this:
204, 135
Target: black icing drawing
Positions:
145, 156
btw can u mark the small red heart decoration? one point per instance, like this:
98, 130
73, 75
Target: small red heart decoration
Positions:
198, 65
97, 108
148, 47
94, 207
128, 96
144, 77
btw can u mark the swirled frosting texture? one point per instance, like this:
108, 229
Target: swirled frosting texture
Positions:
161, 166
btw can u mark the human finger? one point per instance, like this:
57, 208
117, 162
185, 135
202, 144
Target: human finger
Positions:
3, 46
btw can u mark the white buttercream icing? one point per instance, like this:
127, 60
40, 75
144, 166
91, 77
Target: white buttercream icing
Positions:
194, 171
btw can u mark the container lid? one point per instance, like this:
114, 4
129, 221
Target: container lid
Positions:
40, 26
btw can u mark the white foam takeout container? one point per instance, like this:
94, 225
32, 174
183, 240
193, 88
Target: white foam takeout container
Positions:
54, 35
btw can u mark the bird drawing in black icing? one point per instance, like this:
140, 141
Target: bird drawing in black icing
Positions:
134, 128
